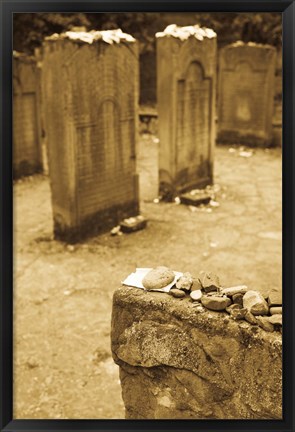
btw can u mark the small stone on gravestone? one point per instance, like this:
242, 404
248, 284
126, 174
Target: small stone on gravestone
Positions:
238, 314
133, 224
255, 303
215, 303
185, 282
116, 230
198, 307
177, 293
238, 299
250, 318
209, 281
276, 310
231, 291
196, 286
196, 295
232, 307
158, 278
276, 319
264, 323
275, 298
194, 199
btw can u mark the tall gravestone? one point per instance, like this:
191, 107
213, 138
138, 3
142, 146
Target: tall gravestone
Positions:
90, 89
27, 154
246, 93
186, 73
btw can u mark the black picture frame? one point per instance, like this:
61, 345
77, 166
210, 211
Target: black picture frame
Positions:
287, 8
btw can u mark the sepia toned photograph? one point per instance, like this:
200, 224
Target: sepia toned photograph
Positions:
147, 215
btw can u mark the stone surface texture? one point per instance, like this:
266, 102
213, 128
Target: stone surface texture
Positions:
185, 282
178, 293
215, 302
27, 147
238, 299
196, 295
186, 108
232, 291
265, 323
254, 302
246, 93
90, 91
209, 281
275, 298
276, 319
276, 310
176, 362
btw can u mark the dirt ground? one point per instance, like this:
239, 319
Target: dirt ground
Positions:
63, 294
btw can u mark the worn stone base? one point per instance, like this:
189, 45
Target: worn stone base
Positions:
170, 191
178, 363
250, 140
96, 224
194, 200
26, 168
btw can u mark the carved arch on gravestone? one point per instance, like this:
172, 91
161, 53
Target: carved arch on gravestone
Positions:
194, 98
193, 51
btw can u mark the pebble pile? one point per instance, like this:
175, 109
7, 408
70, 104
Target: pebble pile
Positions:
239, 302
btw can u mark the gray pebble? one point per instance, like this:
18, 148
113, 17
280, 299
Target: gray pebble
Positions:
177, 293
215, 303
255, 303
276, 310
276, 319
264, 323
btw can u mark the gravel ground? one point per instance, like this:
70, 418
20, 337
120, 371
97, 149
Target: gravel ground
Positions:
63, 294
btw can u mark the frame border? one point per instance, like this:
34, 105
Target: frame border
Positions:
7, 8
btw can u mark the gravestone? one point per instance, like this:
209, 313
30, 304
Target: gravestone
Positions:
246, 93
186, 71
277, 114
27, 155
90, 89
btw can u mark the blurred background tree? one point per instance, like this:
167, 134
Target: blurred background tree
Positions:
29, 30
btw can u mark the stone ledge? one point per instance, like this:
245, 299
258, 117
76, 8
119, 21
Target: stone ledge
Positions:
176, 362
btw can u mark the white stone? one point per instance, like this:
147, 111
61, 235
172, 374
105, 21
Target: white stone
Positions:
196, 295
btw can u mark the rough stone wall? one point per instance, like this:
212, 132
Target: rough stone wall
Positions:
246, 93
27, 154
186, 72
178, 363
91, 93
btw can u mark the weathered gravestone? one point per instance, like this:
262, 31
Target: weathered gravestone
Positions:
246, 93
178, 361
90, 87
186, 71
27, 154
277, 114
